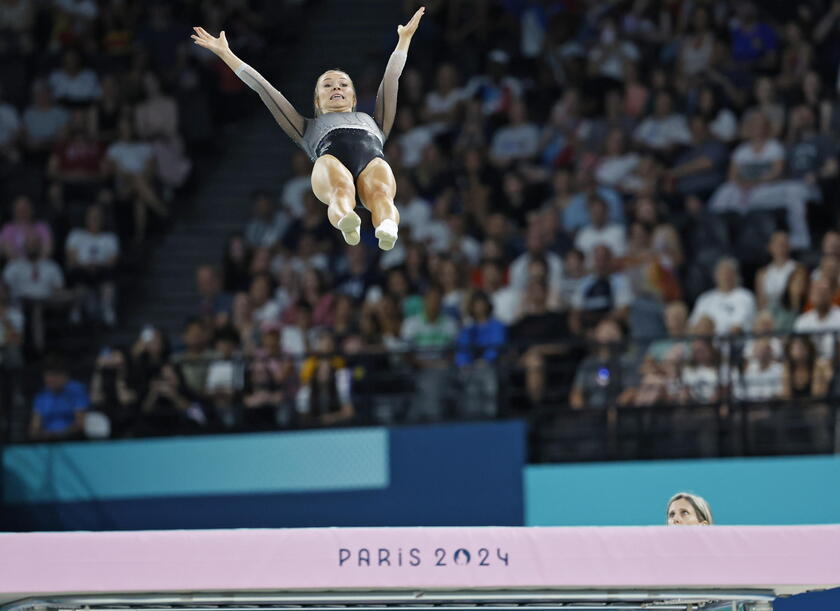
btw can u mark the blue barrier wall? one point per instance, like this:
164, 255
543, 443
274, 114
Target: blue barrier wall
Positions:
467, 475
789, 490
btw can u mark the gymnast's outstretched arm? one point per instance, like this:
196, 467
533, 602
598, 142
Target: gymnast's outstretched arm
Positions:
284, 113
386, 97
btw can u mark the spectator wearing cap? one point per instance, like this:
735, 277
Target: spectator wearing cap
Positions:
59, 409
602, 294
92, 256
730, 306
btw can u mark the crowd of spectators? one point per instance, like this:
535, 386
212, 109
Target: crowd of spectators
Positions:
96, 148
630, 202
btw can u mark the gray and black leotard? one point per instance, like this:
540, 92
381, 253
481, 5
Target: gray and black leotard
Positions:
353, 137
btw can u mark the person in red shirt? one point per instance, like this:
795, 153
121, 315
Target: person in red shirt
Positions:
76, 160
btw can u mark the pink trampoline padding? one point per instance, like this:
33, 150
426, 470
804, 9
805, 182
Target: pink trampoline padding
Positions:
237, 560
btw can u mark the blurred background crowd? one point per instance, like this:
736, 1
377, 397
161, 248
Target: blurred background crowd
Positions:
606, 207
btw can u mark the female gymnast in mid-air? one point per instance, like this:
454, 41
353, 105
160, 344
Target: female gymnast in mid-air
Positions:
345, 145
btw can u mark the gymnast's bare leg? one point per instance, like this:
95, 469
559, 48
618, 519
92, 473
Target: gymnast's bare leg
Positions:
332, 183
377, 188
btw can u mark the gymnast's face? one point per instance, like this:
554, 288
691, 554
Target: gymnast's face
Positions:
682, 513
335, 92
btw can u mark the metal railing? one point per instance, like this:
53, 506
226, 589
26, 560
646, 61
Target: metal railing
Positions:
704, 405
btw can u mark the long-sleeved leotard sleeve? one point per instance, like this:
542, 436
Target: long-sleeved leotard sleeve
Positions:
386, 97
284, 113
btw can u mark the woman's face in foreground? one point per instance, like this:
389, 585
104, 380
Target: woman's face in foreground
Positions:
681, 513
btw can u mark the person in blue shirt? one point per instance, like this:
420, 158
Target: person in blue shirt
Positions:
752, 39
59, 409
477, 350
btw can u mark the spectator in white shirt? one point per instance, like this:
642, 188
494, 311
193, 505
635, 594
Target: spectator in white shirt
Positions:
38, 282
517, 141
33, 276
265, 309
536, 248
755, 183
609, 56
615, 169
74, 84
730, 306
413, 137
443, 104
823, 319
505, 299
762, 376
600, 231
92, 255
132, 164
665, 130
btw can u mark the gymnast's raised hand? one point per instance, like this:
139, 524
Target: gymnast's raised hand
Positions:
345, 145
